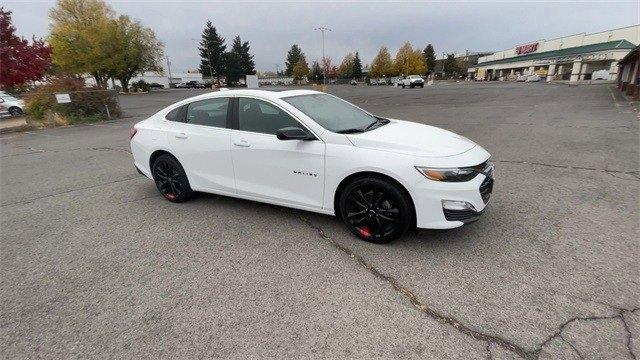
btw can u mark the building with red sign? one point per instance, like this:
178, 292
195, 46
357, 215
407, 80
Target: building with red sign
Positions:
573, 58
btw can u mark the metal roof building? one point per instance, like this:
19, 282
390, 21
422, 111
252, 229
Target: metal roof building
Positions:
575, 58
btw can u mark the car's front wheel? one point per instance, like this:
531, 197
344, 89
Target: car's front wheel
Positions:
170, 178
375, 209
15, 111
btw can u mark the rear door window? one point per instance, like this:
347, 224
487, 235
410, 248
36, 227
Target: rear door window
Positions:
209, 112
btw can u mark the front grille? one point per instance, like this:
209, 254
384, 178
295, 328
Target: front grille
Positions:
461, 215
486, 188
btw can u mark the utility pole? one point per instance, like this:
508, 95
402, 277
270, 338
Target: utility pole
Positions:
322, 29
277, 70
169, 67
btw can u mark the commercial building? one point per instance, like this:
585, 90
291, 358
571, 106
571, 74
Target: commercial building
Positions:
153, 77
464, 60
574, 58
629, 74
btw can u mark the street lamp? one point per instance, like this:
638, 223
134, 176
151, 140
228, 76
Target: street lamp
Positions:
322, 29
169, 67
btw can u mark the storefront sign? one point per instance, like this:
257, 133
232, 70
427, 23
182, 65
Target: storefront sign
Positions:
526, 49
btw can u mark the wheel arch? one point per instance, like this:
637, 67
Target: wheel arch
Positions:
156, 154
363, 174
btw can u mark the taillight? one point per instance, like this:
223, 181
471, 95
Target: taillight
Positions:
133, 132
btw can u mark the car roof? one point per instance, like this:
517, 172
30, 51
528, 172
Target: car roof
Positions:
267, 94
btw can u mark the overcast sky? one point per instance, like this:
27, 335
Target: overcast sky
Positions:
272, 27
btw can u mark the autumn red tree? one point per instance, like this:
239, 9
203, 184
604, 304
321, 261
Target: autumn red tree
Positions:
20, 61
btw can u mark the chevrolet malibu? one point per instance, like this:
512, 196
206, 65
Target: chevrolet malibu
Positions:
313, 151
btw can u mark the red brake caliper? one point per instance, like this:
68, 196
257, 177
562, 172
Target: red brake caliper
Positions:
364, 231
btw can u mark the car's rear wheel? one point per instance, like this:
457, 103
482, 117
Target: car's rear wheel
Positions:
375, 210
171, 180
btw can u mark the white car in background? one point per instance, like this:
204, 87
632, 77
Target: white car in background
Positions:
10, 104
313, 151
533, 78
412, 81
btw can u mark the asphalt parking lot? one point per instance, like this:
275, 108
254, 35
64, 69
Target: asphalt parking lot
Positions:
94, 263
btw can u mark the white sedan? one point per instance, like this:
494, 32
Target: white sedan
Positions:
313, 151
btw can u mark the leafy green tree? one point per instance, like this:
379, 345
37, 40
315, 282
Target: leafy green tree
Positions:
345, 70
136, 50
382, 64
451, 66
357, 66
429, 55
212, 47
300, 69
294, 55
409, 61
81, 38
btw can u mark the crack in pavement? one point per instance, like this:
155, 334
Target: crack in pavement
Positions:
626, 328
24, 202
413, 299
33, 151
572, 347
455, 323
611, 172
619, 315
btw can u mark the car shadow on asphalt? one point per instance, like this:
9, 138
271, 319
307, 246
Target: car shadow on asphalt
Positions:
334, 228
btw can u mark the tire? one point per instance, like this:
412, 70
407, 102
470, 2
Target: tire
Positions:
412, 86
403, 86
422, 86
170, 179
15, 111
375, 210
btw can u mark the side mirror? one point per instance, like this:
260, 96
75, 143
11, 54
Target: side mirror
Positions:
293, 133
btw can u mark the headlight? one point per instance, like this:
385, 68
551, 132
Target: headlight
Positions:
449, 175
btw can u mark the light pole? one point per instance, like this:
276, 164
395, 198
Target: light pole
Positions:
206, 42
169, 67
322, 29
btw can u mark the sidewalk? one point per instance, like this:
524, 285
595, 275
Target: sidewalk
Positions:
8, 124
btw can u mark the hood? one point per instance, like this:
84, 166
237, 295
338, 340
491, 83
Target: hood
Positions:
412, 139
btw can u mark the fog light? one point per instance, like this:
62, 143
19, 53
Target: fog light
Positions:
457, 205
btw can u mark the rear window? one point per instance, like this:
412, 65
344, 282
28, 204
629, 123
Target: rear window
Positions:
173, 114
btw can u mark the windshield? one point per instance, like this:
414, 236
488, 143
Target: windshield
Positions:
331, 113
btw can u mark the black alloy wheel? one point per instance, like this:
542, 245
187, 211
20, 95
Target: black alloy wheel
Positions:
375, 210
15, 111
171, 179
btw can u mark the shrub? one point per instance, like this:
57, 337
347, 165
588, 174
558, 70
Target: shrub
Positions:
140, 86
87, 104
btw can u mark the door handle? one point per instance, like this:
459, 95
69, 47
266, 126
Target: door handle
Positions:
181, 136
241, 143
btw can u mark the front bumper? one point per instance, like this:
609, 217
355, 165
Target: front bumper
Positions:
430, 198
